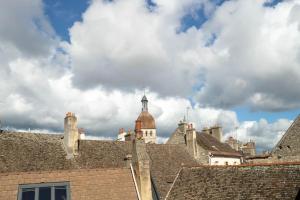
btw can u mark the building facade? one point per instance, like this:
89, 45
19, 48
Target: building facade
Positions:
205, 146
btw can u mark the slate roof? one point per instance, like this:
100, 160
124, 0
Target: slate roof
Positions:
211, 144
166, 161
38, 152
177, 137
240, 182
288, 145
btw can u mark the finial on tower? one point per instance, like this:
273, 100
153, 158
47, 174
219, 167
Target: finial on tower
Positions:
144, 103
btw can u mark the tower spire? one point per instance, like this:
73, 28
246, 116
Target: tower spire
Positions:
144, 103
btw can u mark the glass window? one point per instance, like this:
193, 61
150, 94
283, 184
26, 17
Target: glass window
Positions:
60, 193
28, 194
150, 133
44, 191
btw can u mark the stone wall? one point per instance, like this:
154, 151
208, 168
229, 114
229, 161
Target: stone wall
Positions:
84, 184
261, 182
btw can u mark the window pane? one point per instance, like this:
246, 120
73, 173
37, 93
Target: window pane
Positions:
44, 193
60, 193
28, 194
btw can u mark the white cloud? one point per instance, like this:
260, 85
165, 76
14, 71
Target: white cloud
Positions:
256, 56
124, 45
265, 134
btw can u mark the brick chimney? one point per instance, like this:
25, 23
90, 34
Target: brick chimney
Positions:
138, 129
71, 135
191, 140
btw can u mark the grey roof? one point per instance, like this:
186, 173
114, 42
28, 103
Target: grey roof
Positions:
243, 182
215, 147
289, 144
166, 161
177, 137
38, 152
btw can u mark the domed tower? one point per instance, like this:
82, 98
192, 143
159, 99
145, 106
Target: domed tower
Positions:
148, 128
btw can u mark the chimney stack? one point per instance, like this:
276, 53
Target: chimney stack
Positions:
191, 140
138, 129
216, 132
71, 135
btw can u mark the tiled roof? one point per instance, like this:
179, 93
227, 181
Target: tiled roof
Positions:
177, 137
215, 147
166, 161
38, 152
289, 144
244, 182
147, 120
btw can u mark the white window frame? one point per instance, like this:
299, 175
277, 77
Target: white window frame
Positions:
36, 186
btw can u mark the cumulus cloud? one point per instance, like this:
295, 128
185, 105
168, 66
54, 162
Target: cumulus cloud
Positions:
123, 44
256, 52
235, 58
25, 29
264, 133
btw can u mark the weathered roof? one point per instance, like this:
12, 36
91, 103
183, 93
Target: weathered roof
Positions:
289, 144
177, 137
166, 161
147, 120
215, 147
244, 182
38, 152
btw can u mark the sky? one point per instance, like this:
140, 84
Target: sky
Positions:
235, 63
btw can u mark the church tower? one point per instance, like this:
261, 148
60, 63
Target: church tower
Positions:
147, 123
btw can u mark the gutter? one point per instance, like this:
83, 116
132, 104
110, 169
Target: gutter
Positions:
173, 183
135, 183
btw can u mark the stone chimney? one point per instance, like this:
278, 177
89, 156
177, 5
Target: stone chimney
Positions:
71, 135
191, 140
216, 132
141, 166
183, 126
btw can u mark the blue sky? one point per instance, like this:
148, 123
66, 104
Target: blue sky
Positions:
64, 13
